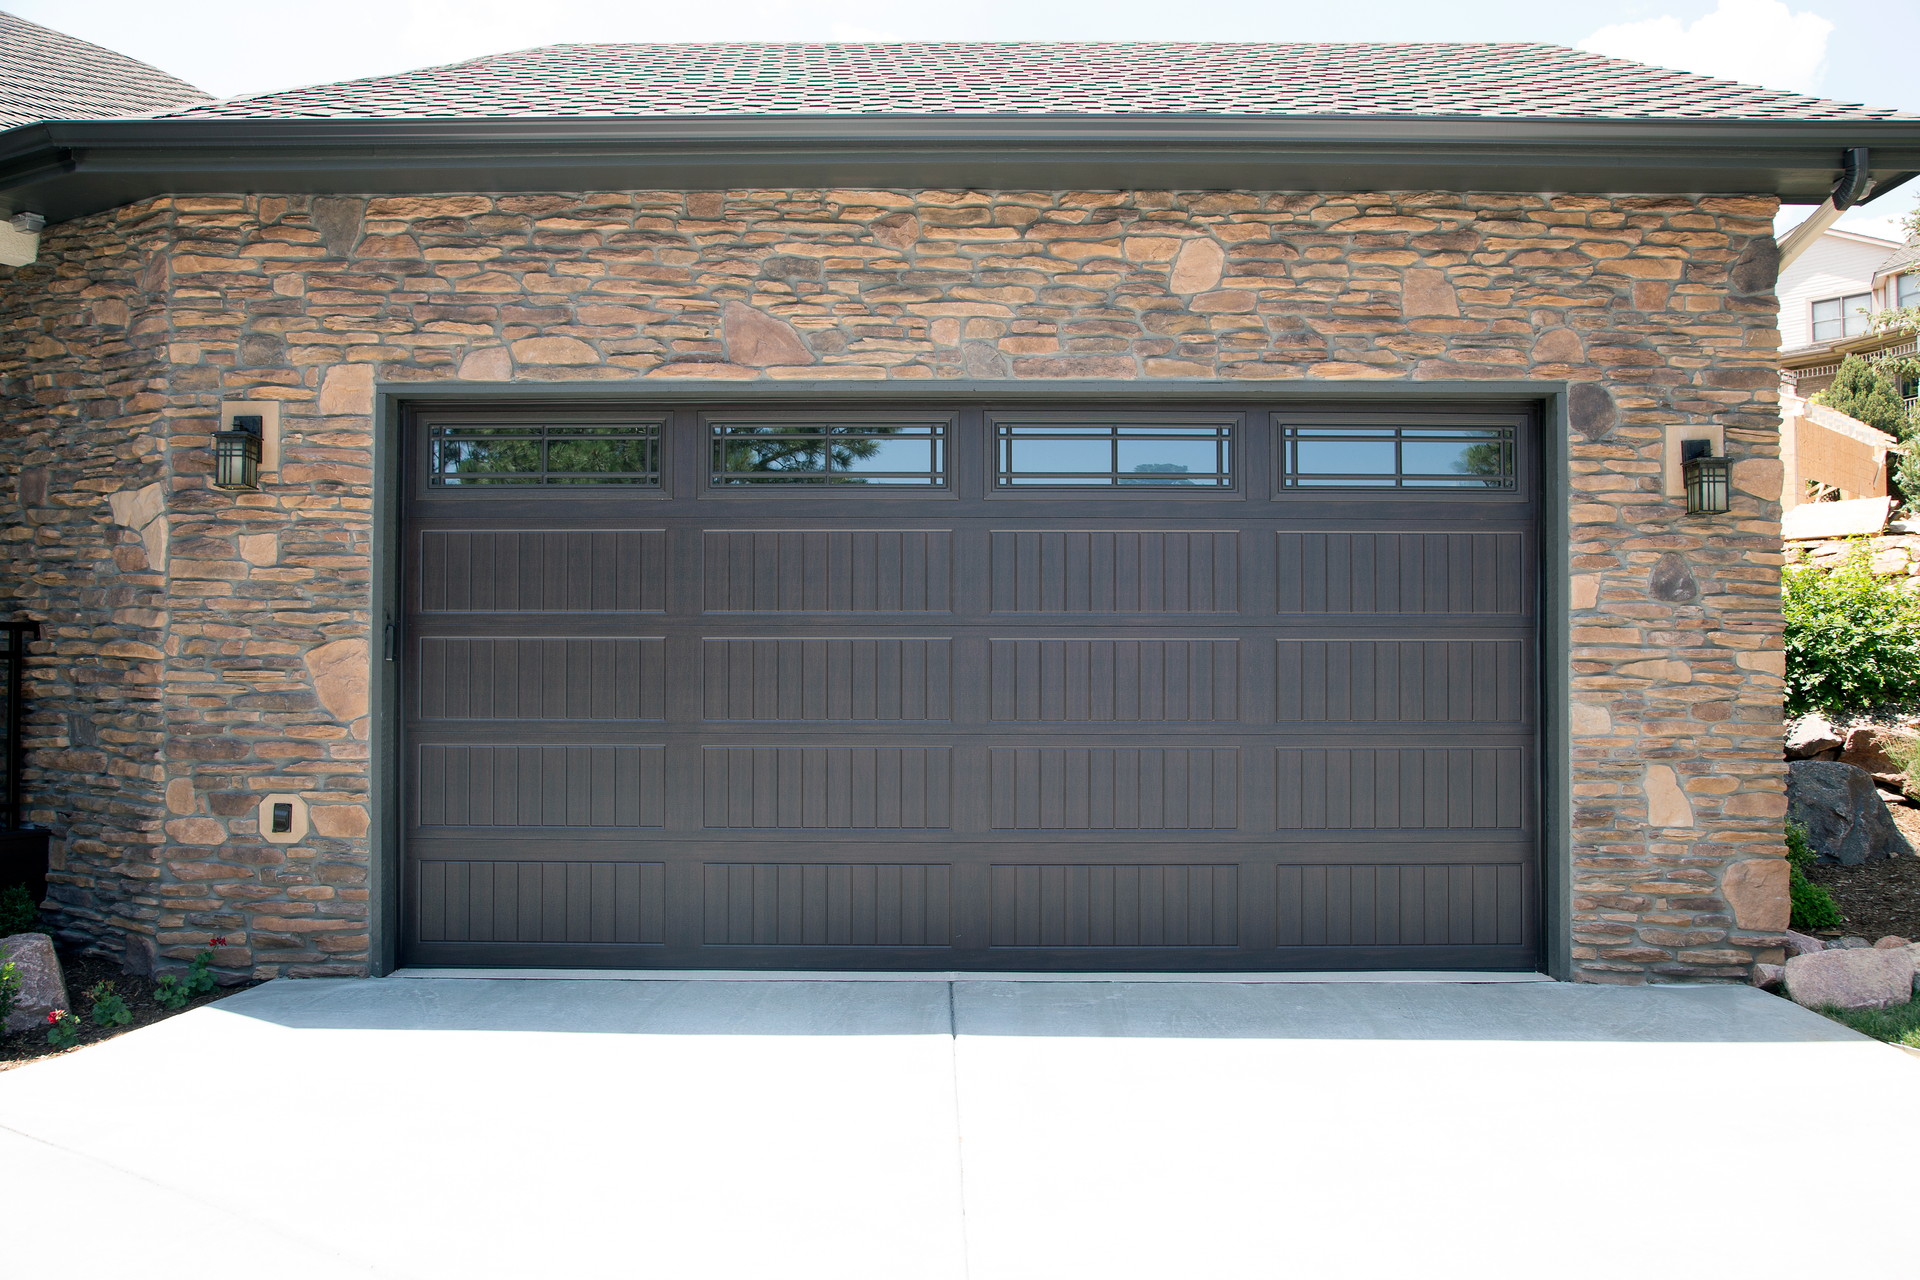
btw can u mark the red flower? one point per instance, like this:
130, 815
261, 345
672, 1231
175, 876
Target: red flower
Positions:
218, 942
54, 1016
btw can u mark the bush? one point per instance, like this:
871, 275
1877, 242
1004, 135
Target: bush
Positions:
1853, 640
1813, 906
17, 912
1867, 393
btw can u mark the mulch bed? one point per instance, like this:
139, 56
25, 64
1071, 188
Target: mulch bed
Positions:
1877, 898
81, 972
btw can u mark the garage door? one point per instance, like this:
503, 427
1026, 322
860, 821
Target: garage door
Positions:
972, 687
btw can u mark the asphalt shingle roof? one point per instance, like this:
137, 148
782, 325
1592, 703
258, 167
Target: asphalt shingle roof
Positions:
1488, 80
45, 75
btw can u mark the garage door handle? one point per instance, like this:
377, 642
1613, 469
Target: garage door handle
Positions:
389, 646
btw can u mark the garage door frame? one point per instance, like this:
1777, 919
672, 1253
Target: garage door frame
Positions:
393, 401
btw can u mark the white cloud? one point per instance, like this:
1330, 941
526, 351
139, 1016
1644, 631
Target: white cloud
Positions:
1754, 41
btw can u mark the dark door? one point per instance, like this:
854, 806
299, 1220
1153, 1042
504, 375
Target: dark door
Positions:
976, 687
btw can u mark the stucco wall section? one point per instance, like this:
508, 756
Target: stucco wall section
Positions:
1654, 308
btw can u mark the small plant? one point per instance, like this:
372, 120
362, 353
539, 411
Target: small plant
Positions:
17, 912
172, 992
109, 1008
1852, 639
1813, 906
9, 988
63, 1029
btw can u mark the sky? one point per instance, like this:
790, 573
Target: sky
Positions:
1853, 50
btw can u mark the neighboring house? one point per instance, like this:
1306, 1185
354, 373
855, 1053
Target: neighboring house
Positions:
1828, 297
1015, 506
45, 75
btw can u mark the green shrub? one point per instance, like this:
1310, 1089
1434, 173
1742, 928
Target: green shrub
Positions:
172, 992
63, 1028
1867, 393
17, 912
1853, 640
9, 988
1813, 906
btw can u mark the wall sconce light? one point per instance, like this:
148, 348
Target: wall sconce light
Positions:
1708, 479
236, 455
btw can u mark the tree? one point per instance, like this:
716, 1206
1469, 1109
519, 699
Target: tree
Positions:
1867, 392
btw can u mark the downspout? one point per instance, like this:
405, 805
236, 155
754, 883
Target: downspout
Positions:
1853, 187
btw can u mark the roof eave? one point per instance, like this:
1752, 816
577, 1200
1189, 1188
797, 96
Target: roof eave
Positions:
67, 169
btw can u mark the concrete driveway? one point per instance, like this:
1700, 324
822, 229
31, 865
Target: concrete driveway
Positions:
704, 1130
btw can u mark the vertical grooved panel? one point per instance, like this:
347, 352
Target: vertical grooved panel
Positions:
852, 787
1475, 573
1379, 789
1097, 681
541, 786
886, 571
543, 571
1115, 788
1112, 571
486, 678
827, 905
1364, 905
576, 901
827, 679
1354, 681
1173, 905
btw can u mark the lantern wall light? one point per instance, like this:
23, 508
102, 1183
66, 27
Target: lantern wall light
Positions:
1708, 479
236, 454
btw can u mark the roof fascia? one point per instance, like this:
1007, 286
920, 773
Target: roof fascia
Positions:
66, 169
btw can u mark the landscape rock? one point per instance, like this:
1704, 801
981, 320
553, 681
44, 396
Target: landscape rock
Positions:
1810, 735
1768, 977
1849, 944
1880, 750
43, 988
1799, 944
1846, 820
1889, 942
1859, 978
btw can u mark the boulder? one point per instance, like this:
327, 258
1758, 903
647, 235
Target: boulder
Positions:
1768, 977
1882, 751
1810, 735
1799, 944
1846, 820
1889, 942
1858, 978
43, 988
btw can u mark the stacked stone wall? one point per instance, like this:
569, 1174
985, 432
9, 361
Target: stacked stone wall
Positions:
1659, 311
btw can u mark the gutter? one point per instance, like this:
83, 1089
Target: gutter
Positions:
66, 169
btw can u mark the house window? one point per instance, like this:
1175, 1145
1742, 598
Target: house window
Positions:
814, 454
1397, 458
1130, 455
625, 454
1841, 317
1907, 290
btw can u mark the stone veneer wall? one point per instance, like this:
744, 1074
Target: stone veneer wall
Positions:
251, 611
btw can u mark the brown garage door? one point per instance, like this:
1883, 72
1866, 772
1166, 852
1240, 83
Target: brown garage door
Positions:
975, 687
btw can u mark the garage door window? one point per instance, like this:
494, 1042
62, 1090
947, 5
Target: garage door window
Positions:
1398, 457
808, 454
545, 455
1136, 455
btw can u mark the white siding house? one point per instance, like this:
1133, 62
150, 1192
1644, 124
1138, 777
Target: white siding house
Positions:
1828, 291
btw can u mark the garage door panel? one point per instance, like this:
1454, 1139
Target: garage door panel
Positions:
1116, 905
1474, 680
543, 786
1100, 680
1388, 788
1400, 905
827, 570
877, 787
1115, 788
827, 679
544, 678
461, 900
1151, 571
837, 904
543, 571
1340, 572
